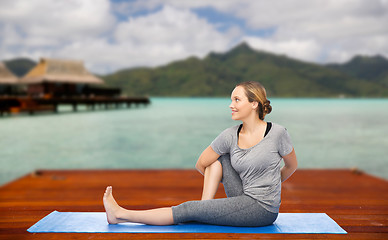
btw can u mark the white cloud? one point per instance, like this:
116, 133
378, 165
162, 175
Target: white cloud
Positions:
307, 50
172, 27
328, 30
40, 28
151, 40
319, 30
9, 34
58, 19
157, 32
87, 30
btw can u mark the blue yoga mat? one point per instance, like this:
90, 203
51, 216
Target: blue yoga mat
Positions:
95, 222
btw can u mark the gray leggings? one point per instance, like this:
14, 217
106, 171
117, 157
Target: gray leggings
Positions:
237, 209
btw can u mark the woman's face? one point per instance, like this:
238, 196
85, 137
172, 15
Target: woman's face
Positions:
240, 106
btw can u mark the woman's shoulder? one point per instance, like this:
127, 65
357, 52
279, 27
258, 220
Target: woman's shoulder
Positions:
278, 128
231, 130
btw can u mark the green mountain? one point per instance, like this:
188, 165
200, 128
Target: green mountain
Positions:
20, 66
218, 73
374, 69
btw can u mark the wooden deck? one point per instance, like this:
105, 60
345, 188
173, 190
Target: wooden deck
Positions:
32, 105
357, 202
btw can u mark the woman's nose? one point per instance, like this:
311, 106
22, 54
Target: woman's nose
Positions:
231, 105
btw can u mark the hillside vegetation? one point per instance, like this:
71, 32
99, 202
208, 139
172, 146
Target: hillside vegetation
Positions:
218, 73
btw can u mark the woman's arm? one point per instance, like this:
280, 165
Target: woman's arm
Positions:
207, 157
290, 165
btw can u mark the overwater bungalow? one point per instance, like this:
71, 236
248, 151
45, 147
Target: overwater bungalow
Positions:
8, 81
63, 78
54, 82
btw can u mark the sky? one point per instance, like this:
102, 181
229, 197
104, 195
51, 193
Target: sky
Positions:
109, 35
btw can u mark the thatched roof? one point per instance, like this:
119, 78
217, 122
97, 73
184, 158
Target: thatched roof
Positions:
60, 71
6, 76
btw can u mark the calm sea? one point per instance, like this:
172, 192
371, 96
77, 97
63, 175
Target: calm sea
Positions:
172, 133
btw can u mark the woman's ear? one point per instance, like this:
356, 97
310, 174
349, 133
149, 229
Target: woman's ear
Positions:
255, 105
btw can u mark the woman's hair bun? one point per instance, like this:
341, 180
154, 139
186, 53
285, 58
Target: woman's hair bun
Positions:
255, 92
267, 108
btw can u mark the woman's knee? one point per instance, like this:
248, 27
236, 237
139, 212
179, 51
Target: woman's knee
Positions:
215, 169
216, 166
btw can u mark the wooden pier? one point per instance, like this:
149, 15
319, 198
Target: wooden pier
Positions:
32, 105
356, 201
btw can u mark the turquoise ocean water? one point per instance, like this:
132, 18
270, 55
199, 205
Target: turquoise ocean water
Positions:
172, 133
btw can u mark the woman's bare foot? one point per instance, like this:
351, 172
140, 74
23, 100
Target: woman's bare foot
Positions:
112, 209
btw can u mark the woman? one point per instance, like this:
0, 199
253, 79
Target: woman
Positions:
246, 158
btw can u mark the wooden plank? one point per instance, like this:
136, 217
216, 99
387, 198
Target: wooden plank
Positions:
32, 105
357, 202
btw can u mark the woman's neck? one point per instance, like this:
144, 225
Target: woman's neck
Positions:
253, 124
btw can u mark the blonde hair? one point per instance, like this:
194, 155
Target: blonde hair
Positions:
255, 92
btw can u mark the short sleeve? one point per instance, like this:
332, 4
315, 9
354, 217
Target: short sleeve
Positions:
223, 142
285, 144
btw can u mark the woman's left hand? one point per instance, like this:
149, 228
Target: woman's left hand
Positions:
290, 165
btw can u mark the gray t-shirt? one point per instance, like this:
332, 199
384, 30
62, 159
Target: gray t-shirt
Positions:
258, 166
